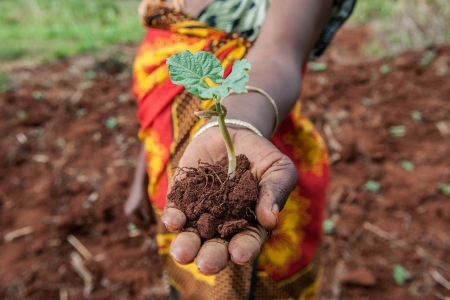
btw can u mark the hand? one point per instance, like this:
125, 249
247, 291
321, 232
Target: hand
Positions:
137, 207
278, 177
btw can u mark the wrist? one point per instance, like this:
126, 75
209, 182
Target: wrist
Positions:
253, 108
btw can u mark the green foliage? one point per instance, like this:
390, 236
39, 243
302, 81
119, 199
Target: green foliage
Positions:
372, 186
46, 29
194, 70
416, 115
4, 80
90, 74
428, 58
328, 226
366, 11
366, 101
385, 69
397, 131
21, 114
317, 66
111, 123
400, 274
235, 81
38, 95
444, 188
407, 165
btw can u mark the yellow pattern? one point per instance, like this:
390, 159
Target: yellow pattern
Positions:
312, 291
156, 156
163, 241
284, 246
309, 148
193, 269
154, 55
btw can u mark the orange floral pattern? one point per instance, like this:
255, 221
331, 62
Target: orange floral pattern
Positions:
284, 247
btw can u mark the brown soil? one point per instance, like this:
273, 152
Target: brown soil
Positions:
63, 172
216, 204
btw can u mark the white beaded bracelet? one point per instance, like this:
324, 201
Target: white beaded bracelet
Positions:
274, 105
228, 121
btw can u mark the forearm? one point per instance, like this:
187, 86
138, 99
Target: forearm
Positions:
290, 32
140, 173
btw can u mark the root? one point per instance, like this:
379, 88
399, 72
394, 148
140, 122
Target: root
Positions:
251, 211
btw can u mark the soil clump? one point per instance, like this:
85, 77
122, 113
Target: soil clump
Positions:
215, 203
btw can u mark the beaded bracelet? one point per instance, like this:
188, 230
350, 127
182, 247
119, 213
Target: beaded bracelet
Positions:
275, 108
228, 121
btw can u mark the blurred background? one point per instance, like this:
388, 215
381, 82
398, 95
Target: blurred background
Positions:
380, 97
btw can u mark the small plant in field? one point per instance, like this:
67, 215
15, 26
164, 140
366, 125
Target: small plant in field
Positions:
400, 274
201, 74
372, 186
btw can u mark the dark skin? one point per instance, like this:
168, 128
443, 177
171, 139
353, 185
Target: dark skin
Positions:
276, 58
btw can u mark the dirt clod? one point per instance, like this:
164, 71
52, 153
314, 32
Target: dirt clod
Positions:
215, 203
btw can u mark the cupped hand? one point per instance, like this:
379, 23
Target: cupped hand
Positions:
137, 207
278, 177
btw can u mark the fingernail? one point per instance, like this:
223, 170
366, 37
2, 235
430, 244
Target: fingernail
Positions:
276, 211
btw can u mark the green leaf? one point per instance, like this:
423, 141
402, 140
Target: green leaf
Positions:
400, 275
235, 81
385, 69
318, 66
91, 74
444, 188
123, 97
428, 58
192, 70
397, 131
416, 115
38, 95
328, 226
366, 101
81, 112
372, 186
407, 165
111, 123
21, 114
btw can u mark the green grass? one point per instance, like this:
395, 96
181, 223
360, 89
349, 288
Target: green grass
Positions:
370, 10
47, 29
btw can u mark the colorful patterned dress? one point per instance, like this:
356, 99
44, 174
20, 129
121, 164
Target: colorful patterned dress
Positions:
288, 266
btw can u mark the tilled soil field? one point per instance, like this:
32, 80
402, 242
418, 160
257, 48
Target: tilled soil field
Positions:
69, 147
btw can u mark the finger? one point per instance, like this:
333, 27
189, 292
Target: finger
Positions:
245, 246
213, 257
185, 246
173, 218
276, 184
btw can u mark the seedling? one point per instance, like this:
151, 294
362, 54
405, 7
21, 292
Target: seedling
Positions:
385, 69
372, 186
428, 58
416, 115
318, 66
407, 165
328, 227
444, 188
111, 123
201, 74
21, 114
400, 275
397, 131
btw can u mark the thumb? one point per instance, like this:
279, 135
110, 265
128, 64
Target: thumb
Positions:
276, 185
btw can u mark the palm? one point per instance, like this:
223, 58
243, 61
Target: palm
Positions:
277, 177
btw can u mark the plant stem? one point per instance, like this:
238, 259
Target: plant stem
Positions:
227, 139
